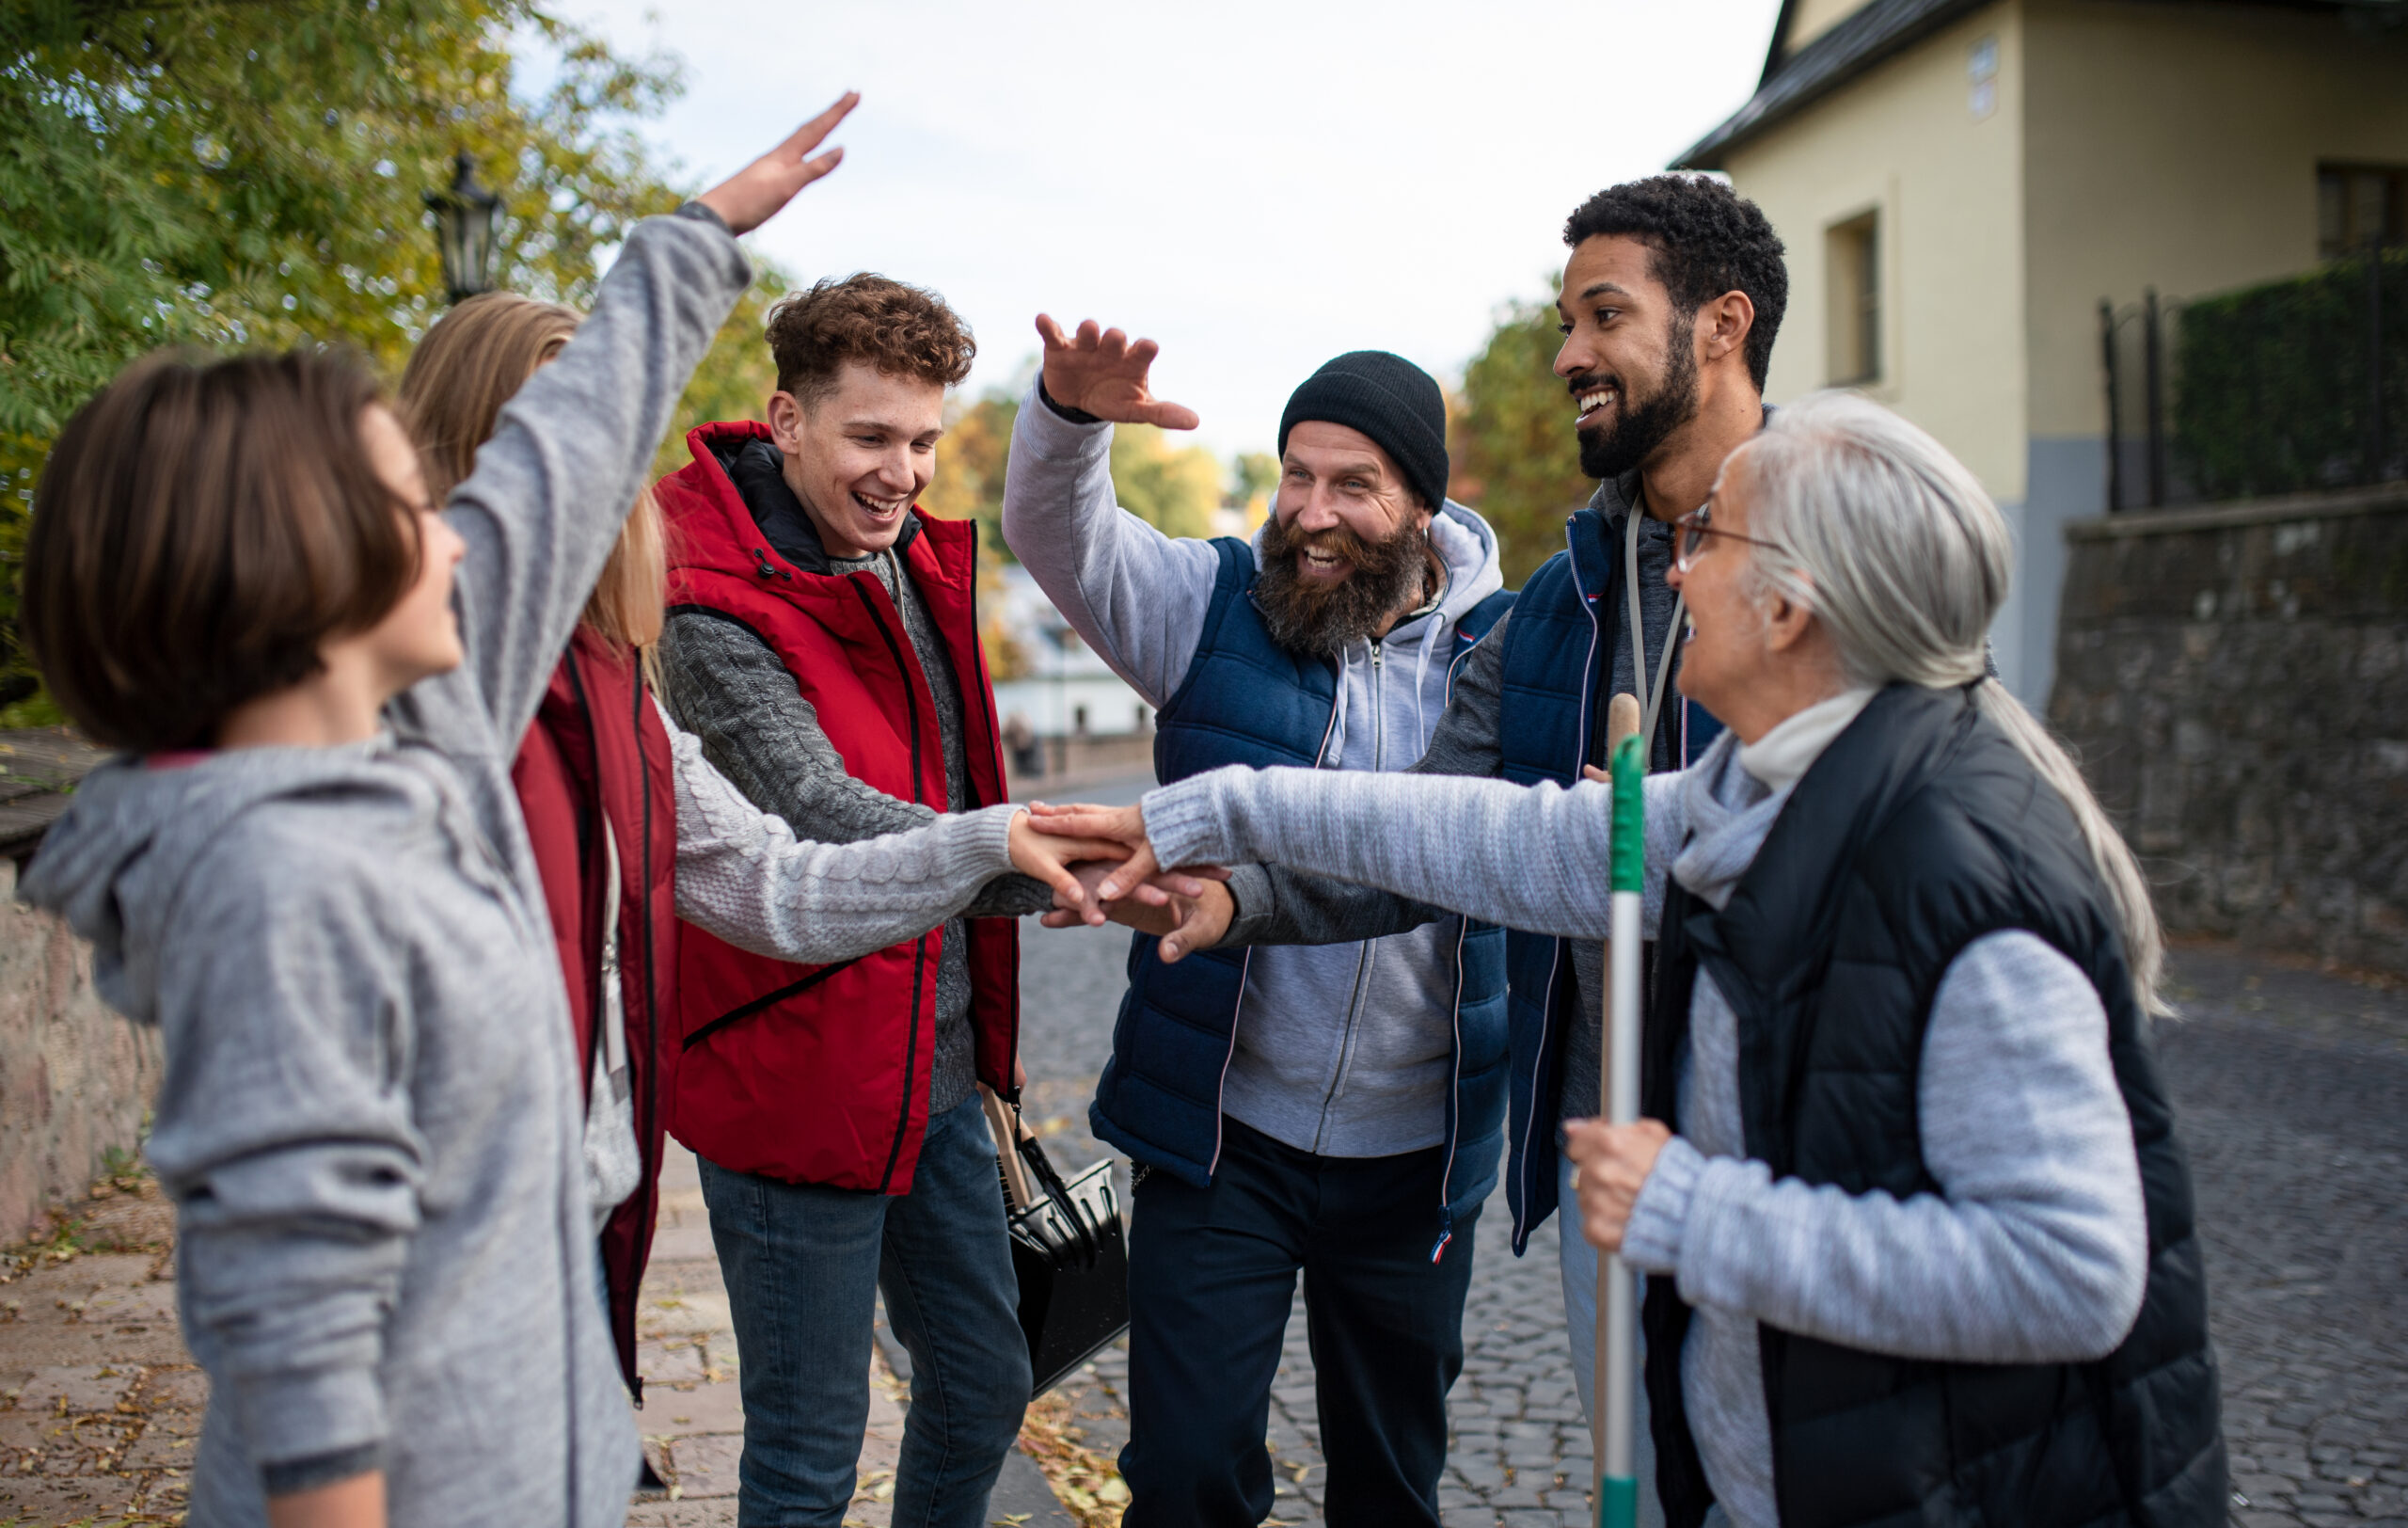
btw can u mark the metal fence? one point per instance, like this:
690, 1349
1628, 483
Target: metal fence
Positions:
2284, 387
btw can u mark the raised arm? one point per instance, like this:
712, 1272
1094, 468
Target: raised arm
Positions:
1135, 596
572, 450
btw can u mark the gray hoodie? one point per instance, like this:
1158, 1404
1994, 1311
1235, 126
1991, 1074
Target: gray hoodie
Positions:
369, 1121
1342, 1049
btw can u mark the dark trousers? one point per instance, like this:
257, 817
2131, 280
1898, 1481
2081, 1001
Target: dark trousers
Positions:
1211, 1275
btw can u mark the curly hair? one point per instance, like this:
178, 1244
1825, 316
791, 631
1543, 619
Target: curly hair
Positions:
1703, 239
902, 330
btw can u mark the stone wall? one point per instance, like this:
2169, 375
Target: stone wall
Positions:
75, 1078
2235, 682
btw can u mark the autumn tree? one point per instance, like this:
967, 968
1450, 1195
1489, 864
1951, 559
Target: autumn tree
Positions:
233, 176
1516, 459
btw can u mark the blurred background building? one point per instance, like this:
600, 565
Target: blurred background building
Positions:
1961, 185
2140, 264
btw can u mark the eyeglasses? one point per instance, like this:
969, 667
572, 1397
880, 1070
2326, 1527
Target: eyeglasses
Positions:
1690, 531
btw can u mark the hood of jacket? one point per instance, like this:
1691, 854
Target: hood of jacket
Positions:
114, 865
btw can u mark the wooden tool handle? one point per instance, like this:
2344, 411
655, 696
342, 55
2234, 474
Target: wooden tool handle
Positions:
1622, 720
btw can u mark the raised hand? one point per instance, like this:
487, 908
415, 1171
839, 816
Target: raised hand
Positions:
753, 195
1102, 371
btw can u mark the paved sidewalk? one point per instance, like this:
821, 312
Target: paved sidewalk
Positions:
100, 1403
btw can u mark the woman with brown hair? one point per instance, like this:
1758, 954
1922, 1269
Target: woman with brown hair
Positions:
629, 821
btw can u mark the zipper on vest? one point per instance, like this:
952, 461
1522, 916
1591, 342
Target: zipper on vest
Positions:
920, 958
1364, 950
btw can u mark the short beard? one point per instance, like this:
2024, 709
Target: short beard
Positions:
1325, 620
1646, 422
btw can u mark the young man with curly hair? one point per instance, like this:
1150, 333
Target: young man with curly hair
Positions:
821, 643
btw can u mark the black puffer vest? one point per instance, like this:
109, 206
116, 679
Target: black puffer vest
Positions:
1917, 831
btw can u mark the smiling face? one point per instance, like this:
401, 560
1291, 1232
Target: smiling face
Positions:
1628, 358
858, 455
1347, 551
421, 635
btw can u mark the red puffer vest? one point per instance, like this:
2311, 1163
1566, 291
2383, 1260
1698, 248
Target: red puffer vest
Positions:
820, 1074
598, 754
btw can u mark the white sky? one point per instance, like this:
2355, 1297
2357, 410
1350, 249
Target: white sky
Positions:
1260, 186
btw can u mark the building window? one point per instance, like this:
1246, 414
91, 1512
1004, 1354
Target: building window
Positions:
2358, 202
1852, 253
1981, 76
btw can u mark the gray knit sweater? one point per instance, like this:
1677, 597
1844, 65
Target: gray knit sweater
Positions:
2035, 1249
368, 1119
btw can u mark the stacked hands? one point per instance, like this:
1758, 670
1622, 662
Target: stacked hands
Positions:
1187, 905
1102, 868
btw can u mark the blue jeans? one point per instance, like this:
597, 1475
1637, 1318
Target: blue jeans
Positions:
1578, 1261
803, 1265
1211, 1278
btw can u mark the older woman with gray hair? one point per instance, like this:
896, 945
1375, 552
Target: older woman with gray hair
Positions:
1922, 1246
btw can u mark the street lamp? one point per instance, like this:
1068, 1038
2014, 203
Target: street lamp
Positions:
463, 230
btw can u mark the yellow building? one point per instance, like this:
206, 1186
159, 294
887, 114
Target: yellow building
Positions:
1960, 183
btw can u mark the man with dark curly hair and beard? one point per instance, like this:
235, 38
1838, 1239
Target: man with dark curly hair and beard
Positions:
1335, 1109
1672, 296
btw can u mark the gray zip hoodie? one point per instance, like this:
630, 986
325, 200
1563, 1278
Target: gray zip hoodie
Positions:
369, 1121
1342, 1049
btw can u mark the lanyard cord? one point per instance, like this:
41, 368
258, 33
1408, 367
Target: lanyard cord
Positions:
1651, 701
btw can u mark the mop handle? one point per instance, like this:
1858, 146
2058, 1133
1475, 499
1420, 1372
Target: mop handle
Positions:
1617, 1305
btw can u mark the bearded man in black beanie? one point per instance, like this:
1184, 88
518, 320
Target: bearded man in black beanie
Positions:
1338, 1109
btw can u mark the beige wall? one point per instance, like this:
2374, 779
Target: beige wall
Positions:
1948, 186
2175, 146
1813, 18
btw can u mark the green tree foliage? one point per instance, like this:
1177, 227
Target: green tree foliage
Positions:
969, 485
1175, 490
1253, 472
1516, 457
239, 175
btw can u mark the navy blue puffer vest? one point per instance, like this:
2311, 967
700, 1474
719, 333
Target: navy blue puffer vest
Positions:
1921, 829
1247, 700
1558, 650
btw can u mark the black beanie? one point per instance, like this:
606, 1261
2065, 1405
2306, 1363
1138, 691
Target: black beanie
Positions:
1392, 400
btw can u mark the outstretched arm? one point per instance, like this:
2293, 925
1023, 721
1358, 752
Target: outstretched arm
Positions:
572, 450
1528, 857
744, 876
726, 687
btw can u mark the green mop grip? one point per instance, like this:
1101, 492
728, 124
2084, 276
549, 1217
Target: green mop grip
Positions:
1618, 1503
1630, 816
